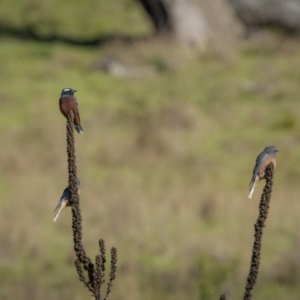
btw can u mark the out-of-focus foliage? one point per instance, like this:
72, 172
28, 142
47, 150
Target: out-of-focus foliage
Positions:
78, 19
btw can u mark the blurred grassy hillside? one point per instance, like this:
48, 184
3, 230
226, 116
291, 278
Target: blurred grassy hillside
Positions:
165, 161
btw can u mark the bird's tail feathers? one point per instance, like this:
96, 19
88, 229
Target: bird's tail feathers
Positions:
79, 128
59, 208
252, 186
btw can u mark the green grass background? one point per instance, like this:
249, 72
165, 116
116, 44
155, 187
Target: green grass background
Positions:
164, 162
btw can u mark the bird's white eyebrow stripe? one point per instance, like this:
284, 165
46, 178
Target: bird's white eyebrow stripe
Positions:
67, 90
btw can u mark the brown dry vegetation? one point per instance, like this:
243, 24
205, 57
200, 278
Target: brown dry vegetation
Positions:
164, 163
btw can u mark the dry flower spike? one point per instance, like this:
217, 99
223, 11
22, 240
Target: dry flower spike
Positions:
91, 274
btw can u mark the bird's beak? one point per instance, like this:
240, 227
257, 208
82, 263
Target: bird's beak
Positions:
74, 91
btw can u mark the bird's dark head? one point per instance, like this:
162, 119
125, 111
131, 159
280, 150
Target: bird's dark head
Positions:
271, 150
68, 92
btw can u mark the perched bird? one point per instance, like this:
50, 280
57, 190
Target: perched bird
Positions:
68, 102
263, 159
64, 200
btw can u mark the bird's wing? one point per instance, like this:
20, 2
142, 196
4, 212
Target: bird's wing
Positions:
77, 108
65, 196
259, 160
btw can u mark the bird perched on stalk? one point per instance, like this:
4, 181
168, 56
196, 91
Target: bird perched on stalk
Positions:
262, 161
68, 102
64, 200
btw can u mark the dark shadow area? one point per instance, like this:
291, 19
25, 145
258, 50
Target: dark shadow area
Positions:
158, 14
28, 33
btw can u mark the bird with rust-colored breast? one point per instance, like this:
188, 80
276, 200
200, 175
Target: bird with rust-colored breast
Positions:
262, 161
64, 200
68, 102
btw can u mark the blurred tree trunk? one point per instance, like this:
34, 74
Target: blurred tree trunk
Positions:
284, 14
194, 22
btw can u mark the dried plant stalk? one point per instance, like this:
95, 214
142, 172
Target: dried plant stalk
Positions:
95, 272
259, 225
223, 297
